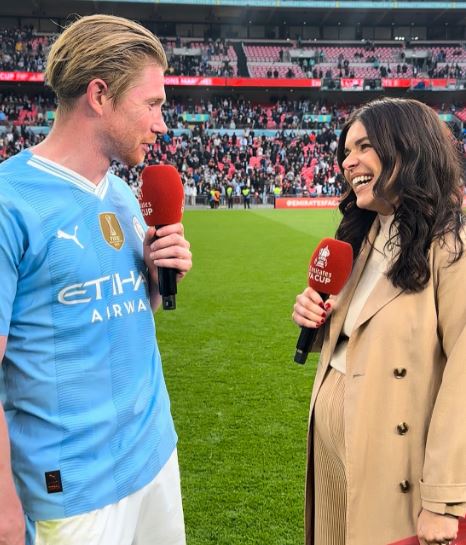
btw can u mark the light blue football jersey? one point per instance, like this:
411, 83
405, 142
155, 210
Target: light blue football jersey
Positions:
86, 403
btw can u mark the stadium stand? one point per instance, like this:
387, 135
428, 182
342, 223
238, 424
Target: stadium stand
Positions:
195, 58
296, 155
266, 140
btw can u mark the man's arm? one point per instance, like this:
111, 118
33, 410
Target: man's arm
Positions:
12, 528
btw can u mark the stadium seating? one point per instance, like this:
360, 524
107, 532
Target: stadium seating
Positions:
211, 154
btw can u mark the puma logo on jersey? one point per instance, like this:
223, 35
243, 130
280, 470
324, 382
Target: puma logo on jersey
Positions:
67, 236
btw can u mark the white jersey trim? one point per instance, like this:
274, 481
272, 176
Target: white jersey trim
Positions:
55, 169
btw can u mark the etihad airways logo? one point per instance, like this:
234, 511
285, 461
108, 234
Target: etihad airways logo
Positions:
89, 292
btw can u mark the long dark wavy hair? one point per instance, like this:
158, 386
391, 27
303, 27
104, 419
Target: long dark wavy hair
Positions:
423, 167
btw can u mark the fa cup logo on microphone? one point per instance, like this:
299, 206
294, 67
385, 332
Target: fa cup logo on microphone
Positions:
321, 259
318, 267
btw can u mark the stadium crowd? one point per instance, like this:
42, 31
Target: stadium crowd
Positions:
215, 58
296, 155
21, 49
291, 161
230, 113
286, 163
24, 50
23, 109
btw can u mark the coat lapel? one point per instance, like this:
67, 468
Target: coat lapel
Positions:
384, 292
381, 295
344, 300
339, 313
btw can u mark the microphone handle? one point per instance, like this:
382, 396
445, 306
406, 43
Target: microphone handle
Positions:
167, 287
167, 284
306, 339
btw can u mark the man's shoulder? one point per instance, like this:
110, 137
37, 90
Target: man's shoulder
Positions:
14, 166
14, 176
121, 187
118, 183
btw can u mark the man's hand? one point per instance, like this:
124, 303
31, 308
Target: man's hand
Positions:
170, 250
12, 526
433, 529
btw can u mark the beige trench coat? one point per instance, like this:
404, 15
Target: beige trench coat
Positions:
405, 402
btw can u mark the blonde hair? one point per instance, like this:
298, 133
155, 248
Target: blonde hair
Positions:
106, 47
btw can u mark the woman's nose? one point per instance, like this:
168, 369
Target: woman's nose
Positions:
349, 161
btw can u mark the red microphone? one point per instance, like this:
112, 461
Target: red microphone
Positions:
329, 269
161, 199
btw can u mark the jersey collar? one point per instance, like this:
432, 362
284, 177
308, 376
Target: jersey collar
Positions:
55, 169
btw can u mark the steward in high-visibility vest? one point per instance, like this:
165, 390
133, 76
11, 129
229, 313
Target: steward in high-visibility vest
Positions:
276, 193
229, 192
212, 198
246, 192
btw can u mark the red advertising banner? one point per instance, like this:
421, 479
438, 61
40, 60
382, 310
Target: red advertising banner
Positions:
194, 81
272, 82
396, 82
191, 81
200, 81
240, 82
447, 82
352, 83
439, 83
22, 76
306, 202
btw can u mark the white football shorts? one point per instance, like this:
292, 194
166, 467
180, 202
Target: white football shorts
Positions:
150, 516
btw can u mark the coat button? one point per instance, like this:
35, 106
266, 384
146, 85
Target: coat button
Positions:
405, 486
402, 428
399, 372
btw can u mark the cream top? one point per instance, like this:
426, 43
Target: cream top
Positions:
376, 265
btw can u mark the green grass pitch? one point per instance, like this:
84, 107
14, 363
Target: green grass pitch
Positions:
239, 401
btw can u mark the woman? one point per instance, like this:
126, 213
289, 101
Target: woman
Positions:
387, 440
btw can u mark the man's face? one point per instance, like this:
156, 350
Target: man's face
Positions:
136, 120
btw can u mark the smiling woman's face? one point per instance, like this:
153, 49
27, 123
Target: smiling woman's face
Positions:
362, 167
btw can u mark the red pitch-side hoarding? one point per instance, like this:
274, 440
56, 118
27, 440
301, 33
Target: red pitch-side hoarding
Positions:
317, 202
306, 202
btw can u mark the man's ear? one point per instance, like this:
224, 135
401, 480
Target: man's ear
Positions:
97, 95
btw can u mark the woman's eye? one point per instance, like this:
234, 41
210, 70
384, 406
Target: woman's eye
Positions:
365, 146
